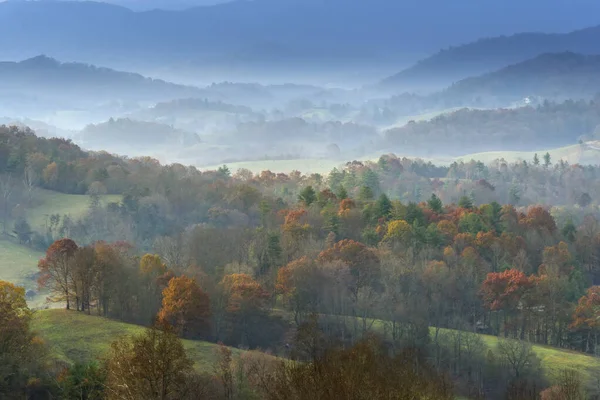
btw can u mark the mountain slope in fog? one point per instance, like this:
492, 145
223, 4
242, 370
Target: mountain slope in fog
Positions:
524, 128
486, 55
274, 33
550, 76
126, 133
42, 73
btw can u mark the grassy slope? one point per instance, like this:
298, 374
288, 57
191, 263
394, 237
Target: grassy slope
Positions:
573, 154
554, 360
51, 202
305, 165
74, 336
18, 264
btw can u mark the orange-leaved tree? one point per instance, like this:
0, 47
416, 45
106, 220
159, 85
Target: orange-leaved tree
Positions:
56, 270
507, 292
187, 307
245, 307
362, 261
586, 318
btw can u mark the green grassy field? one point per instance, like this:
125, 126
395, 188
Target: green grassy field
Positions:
304, 165
49, 202
572, 154
18, 265
553, 360
76, 337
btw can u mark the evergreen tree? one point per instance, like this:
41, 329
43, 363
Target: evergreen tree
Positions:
342, 193
307, 196
465, 202
569, 231
383, 207
365, 194
536, 159
435, 204
547, 160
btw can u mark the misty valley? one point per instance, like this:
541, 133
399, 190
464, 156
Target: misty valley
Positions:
299, 199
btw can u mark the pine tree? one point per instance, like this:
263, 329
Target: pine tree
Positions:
547, 160
435, 204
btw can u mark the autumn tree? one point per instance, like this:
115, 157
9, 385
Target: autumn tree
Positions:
586, 318
300, 284
84, 276
187, 307
56, 270
21, 353
152, 365
363, 263
245, 308
505, 292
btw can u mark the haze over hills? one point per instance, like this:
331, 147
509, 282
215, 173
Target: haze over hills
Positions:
486, 55
553, 76
42, 84
309, 39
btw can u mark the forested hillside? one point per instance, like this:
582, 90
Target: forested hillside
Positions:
523, 128
422, 256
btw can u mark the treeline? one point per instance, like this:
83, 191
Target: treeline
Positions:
522, 128
539, 180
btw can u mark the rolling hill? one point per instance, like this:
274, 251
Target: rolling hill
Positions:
134, 136
93, 336
517, 129
43, 83
552, 76
486, 55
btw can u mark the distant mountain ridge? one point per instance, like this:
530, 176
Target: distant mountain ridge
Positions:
43, 81
487, 55
243, 38
554, 76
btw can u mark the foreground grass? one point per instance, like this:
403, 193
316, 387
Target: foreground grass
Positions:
77, 337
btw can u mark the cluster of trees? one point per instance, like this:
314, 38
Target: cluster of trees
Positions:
111, 280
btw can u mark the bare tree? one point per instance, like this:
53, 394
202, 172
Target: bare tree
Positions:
6, 191
29, 178
517, 355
